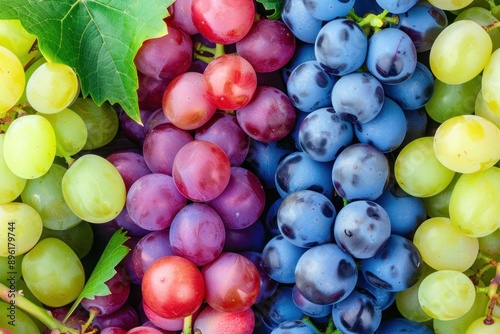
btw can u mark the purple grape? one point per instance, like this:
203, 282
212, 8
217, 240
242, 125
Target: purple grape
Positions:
157, 117
124, 221
130, 128
251, 238
151, 247
268, 286
125, 317
150, 92
130, 165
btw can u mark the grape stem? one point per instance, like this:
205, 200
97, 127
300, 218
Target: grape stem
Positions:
17, 298
207, 53
492, 289
491, 26
373, 22
188, 325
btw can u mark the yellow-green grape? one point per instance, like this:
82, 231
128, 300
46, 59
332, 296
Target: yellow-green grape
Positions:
460, 52
446, 294
491, 82
11, 185
20, 228
483, 110
479, 326
467, 143
29, 146
472, 207
102, 121
489, 244
443, 246
15, 320
52, 87
15, 38
45, 195
79, 238
438, 205
94, 189
27, 74
53, 272
450, 4
419, 172
483, 17
12, 81
70, 130
10, 269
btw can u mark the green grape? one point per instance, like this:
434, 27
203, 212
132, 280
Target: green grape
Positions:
102, 121
438, 205
491, 82
52, 87
460, 52
483, 110
53, 272
15, 38
79, 238
483, 17
11, 185
489, 245
467, 143
446, 294
20, 228
70, 130
14, 319
45, 195
94, 189
10, 269
27, 74
471, 208
450, 4
418, 171
479, 327
449, 100
407, 300
443, 246
12, 80
29, 146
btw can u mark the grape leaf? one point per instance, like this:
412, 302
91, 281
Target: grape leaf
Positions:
272, 8
104, 270
97, 38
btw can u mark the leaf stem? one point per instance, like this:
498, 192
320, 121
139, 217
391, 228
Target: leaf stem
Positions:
36, 311
188, 325
491, 26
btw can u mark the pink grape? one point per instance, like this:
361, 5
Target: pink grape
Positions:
161, 322
144, 330
181, 16
212, 321
151, 247
157, 117
130, 165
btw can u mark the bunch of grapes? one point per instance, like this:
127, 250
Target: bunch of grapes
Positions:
331, 169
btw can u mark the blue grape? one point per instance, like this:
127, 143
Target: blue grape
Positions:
423, 23
415, 92
397, 6
406, 212
303, 52
396, 267
346, 95
298, 171
361, 171
384, 298
325, 274
305, 218
294, 327
402, 326
375, 133
391, 56
341, 46
323, 134
416, 125
328, 10
280, 307
299, 118
310, 87
279, 259
359, 313
271, 220
302, 25
362, 7
309, 308
362, 228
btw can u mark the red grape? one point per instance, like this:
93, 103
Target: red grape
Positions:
212, 321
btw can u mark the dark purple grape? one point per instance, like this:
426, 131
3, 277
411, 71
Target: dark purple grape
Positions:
125, 317
130, 165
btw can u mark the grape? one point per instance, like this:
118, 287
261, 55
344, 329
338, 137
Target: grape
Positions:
268, 46
52, 87
53, 272
478, 326
483, 110
161, 323
12, 185
149, 248
417, 170
150, 92
230, 81
157, 117
223, 21
21, 228
125, 317
124, 221
475, 216
310, 309
15, 38
489, 245
212, 321
416, 125
144, 330
383, 298
402, 325
190, 168
327, 11
93, 189
460, 52
325, 274
232, 283
268, 286
113, 330
483, 17
466, 143
397, 7
303, 25
130, 165
450, 4
362, 228
173, 287
79, 238
446, 294
280, 307
391, 56
251, 238
10, 314
12, 80
181, 17
341, 46
34, 136
280, 257
102, 121
303, 52
293, 327
490, 83
10, 270
133, 130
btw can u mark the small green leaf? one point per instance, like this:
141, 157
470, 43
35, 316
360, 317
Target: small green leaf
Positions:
104, 270
272, 8
97, 38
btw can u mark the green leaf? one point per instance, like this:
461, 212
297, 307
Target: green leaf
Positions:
104, 270
272, 8
97, 38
